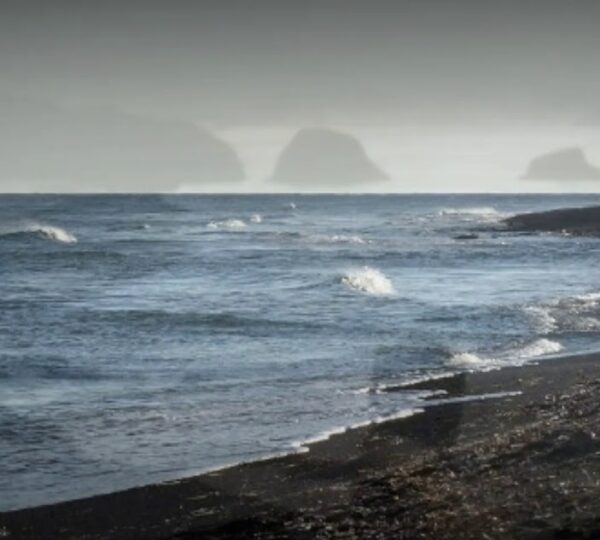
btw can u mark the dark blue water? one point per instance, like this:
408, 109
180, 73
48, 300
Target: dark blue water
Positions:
148, 338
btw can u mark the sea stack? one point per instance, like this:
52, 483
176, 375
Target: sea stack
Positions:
564, 164
317, 158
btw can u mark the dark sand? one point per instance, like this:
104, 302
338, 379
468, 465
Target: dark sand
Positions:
524, 466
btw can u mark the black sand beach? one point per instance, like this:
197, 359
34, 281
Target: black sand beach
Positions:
525, 465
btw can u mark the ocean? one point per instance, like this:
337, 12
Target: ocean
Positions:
149, 338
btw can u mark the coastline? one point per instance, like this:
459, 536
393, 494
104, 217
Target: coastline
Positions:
523, 463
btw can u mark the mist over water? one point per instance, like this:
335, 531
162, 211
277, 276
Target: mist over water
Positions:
181, 333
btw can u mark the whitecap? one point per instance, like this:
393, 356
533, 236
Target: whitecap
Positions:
337, 239
256, 218
368, 280
513, 356
540, 347
47, 232
227, 224
478, 213
469, 360
541, 319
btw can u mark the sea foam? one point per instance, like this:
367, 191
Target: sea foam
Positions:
227, 224
368, 280
47, 232
337, 239
477, 213
513, 356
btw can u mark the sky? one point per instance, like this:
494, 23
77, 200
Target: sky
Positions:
476, 88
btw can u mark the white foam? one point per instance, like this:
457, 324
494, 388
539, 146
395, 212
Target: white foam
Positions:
256, 218
481, 213
469, 211
577, 313
326, 435
542, 319
512, 356
338, 239
48, 232
55, 234
323, 436
368, 280
469, 360
540, 347
227, 224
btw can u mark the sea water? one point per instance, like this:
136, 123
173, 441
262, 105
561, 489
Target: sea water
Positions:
148, 338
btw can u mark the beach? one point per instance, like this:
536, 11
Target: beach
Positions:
511, 453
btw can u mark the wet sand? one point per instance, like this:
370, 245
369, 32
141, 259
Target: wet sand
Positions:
523, 465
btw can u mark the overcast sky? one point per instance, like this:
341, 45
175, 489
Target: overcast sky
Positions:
238, 65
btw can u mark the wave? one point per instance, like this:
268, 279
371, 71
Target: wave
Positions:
303, 446
579, 313
45, 232
256, 218
514, 356
338, 239
540, 347
228, 224
478, 213
368, 280
541, 319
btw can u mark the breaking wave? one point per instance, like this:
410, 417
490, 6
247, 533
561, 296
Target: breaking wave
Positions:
338, 239
515, 356
580, 313
477, 213
256, 218
227, 224
46, 232
368, 280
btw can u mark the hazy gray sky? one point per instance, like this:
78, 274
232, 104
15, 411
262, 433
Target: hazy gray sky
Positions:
230, 65
263, 59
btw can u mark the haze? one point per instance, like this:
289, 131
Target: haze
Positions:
448, 96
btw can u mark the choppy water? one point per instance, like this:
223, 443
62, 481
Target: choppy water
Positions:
149, 338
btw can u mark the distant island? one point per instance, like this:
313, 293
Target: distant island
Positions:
46, 147
564, 164
317, 158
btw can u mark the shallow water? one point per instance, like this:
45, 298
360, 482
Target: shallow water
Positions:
149, 338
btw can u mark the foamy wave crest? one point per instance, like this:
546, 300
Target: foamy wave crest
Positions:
227, 224
469, 360
580, 313
514, 356
338, 239
480, 213
541, 319
47, 232
256, 218
368, 280
541, 347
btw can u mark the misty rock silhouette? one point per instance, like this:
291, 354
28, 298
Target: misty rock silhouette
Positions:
564, 164
323, 157
51, 148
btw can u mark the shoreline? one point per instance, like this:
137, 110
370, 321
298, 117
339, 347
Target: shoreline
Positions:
323, 490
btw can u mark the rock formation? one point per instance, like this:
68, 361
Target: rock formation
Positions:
565, 164
50, 148
577, 221
318, 158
